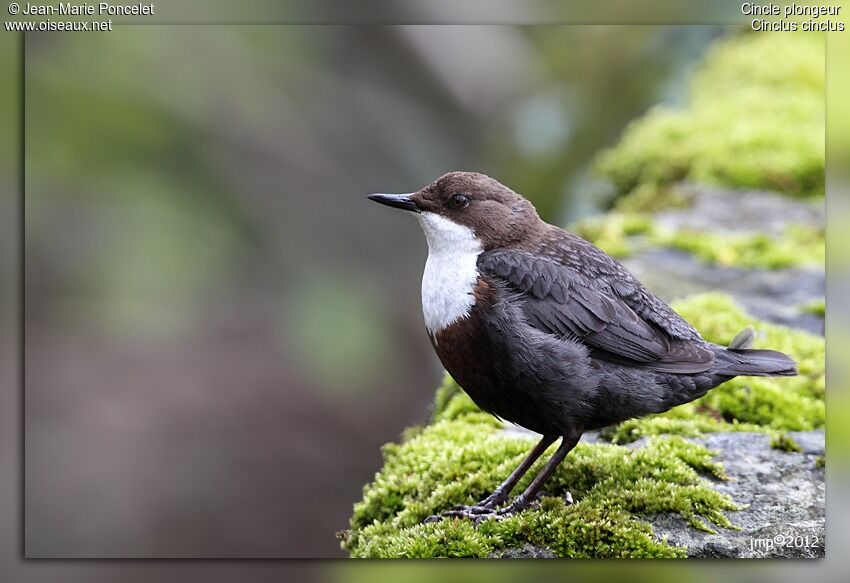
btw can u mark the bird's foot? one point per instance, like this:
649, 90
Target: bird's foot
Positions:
479, 513
489, 508
519, 504
475, 512
493, 501
485, 510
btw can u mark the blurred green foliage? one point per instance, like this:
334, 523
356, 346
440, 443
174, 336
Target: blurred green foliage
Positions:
746, 125
600, 84
336, 334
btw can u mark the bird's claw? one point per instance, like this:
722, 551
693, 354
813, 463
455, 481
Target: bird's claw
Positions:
473, 509
488, 509
480, 512
475, 513
518, 505
493, 501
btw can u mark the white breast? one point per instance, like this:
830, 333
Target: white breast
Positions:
451, 271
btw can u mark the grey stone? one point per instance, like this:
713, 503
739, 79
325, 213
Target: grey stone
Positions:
782, 495
526, 551
783, 492
724, 210
773, 295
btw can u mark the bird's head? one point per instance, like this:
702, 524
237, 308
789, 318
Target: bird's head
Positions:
462, 206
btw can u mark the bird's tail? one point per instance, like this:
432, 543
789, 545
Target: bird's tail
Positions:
741, 360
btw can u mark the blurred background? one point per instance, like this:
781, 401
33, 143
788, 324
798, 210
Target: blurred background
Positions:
221, 331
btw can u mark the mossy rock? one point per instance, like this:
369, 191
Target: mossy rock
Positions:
458, 461
463, 453
755, 119
790, 233
782, 492
744, 133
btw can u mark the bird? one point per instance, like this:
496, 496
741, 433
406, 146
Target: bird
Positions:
545, 330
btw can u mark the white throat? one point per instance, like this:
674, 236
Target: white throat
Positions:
451, 271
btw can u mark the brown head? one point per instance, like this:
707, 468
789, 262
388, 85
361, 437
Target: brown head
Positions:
496, 215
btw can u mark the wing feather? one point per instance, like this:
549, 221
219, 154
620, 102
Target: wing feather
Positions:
560, 300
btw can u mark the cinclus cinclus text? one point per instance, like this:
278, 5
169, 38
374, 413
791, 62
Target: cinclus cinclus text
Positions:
543, 329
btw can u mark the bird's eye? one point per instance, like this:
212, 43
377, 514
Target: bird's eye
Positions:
458, 201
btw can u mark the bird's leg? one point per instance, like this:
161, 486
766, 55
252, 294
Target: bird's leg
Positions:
503, 490
525, 499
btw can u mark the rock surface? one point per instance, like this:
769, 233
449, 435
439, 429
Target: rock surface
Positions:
774, 295
784, 492
725, 210
526, 551
783, 495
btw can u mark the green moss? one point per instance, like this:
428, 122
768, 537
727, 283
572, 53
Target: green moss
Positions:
689, 420
744, 126
797, 246
460, 461
648, 198
463, 454
820, 461
446, 392
621, 234
758, 130
785, 442
817, 307
451, 402
615, 233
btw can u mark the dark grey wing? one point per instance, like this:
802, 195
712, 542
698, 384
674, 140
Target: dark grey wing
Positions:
583, 257
559, 300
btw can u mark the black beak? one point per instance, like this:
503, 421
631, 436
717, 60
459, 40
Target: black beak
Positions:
399, 201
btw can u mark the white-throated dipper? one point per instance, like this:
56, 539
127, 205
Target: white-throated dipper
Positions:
544, 329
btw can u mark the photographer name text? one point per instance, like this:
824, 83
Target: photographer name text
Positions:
99, 9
